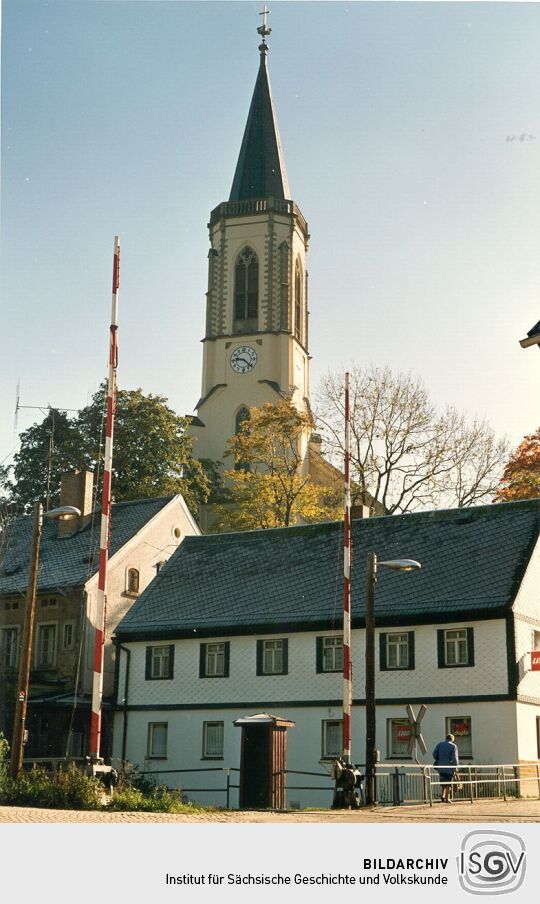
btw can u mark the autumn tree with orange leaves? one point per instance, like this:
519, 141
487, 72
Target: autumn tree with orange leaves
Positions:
521, 476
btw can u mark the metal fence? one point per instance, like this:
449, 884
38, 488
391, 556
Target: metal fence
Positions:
395, 783
225, 771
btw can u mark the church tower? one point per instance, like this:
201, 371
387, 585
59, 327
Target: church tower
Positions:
256, 338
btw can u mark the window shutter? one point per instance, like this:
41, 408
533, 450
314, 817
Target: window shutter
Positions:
148, 667
470, 646
227, 658
319, 654
411, 649
382, 653
202, 661
260, 652
441, 661
285, 656
171, 661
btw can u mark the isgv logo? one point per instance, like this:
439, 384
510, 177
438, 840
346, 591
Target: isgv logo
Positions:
491, 863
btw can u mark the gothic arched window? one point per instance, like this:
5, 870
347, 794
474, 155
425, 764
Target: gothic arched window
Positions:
246, 290
298, 300
242, 415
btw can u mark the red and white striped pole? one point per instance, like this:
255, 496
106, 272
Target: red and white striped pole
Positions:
347, 663
101, 613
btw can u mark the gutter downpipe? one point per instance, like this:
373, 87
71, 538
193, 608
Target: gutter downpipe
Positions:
126, 689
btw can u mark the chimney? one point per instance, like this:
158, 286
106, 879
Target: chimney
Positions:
76, 489
359, 511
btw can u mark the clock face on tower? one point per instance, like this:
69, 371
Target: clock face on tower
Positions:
243, 359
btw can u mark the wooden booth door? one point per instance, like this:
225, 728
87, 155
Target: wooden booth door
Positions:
262, 765
256, 767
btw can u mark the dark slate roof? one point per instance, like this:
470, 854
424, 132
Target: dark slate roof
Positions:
472, 560
67, 562
260, 171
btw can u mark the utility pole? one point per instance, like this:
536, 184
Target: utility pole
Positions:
371, 753
19, 723
347, 662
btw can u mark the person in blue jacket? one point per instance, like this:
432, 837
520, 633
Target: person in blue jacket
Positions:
446, 758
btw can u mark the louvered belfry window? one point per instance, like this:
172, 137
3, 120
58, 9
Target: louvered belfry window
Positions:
298, 301
246, 287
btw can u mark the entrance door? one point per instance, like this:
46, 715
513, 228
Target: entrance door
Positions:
256, 767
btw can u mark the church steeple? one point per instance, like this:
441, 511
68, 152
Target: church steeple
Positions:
260, 171
256, 335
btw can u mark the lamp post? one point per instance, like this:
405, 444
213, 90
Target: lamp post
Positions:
63, 513
371, 580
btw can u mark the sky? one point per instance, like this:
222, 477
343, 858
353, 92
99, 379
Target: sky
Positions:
411, 134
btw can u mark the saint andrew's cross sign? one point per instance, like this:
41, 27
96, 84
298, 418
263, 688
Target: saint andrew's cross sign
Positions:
414, 730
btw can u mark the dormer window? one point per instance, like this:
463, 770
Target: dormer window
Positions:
132, 580
246, 292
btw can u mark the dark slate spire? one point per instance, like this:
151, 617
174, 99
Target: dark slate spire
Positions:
260, 171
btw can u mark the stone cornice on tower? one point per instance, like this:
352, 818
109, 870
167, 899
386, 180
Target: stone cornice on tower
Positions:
256, 206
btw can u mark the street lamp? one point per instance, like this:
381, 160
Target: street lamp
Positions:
533, 337
371, 580
63, 513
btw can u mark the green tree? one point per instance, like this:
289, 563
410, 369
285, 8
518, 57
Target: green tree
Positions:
152, 452
269, 486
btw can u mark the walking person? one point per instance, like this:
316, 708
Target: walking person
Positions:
446, 759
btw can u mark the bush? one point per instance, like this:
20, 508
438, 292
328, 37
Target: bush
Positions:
67, 789
71, 789
158, 799
4, 764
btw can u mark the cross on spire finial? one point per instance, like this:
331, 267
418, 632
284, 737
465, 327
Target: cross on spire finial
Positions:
264, 29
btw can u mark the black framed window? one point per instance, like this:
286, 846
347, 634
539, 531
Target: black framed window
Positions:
329, 654
159, 662
214, 660
396, 650
272, 657
455, 648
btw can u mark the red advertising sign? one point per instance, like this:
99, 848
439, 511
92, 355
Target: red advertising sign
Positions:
535, 661
403, 734
461, 729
